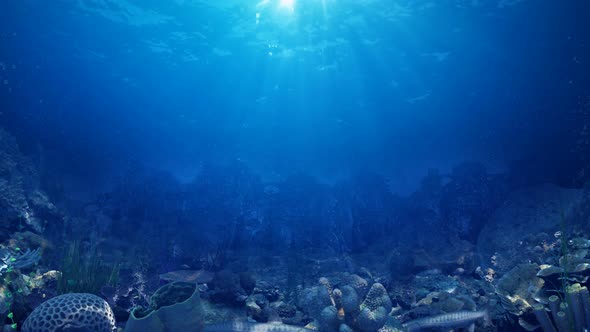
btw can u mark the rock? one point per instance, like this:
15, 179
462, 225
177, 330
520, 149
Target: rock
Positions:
518, 288
285, 310
227, 289
298, 319
247, 281
196, 276
271, 292
29, 239
257, 307
550, 274
23, 206
41, 288
530, 211
255, 311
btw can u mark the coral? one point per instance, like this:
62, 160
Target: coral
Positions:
372, 320
10, 261
341, 308
374, 309
328, 320
71, 312
377, 297
360, 285
350, 299
572, 314
313, 300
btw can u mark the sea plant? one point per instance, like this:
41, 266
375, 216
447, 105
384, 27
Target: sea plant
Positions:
10, 316
85, 272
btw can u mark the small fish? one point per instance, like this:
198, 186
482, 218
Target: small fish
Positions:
238, 326
453, 320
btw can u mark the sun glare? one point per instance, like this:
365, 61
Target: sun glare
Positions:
288, 4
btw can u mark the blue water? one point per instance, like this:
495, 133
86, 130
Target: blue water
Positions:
324, 87
187, 134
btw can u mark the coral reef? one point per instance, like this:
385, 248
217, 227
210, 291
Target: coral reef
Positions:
335, 306
71, 312
352, 256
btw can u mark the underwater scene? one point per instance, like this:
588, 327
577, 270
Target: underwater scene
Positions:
294, 165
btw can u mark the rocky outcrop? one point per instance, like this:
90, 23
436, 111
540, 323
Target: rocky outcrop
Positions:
528, 219
23, 206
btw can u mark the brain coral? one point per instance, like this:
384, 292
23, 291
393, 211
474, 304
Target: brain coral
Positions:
71, 312
377, 297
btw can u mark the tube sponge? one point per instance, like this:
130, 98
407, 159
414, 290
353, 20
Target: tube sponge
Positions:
554, 305
173, 309
574, 297
586, 304
561, 321
543, 318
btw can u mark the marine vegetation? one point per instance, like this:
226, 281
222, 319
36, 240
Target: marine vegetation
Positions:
85, 272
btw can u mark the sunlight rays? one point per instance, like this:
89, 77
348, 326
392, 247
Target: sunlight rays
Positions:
287, 4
